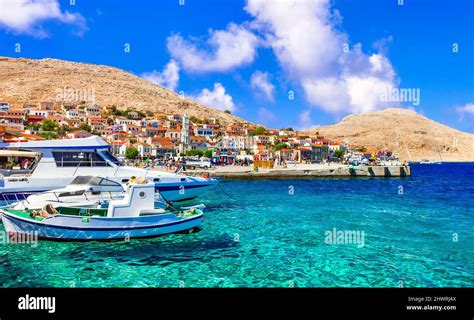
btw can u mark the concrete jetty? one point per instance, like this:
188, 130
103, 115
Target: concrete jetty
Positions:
340, 171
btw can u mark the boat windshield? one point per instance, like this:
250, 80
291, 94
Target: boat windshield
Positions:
72, 193
94, 181
110, 157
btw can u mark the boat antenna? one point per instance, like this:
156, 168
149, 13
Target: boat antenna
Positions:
437, 147
399, 134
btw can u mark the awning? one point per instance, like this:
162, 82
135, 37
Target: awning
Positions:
15, 153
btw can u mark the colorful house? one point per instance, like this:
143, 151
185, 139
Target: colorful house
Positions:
78, 134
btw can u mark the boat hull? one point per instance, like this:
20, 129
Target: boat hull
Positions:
69, 228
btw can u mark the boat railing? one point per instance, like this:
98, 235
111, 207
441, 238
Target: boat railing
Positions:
81, 163
18, 197
99, 195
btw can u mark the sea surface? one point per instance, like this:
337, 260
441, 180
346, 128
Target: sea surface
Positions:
416, 231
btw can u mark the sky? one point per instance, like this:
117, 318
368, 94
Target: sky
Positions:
280, 63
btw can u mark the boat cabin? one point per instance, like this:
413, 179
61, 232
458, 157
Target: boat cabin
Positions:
18, 162
89, 158
54, 154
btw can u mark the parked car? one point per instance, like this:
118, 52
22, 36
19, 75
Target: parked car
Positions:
193, 163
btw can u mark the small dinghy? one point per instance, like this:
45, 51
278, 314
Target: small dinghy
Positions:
133, 216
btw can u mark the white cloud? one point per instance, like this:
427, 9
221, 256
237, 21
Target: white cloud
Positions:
308, 44
466, 109
218, 98
168, 78
305, 122
260, 81
382, 44
26, 16
296, 30
224, 50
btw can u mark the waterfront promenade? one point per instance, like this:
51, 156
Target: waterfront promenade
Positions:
304, 171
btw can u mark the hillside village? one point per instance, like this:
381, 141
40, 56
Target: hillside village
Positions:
151, 135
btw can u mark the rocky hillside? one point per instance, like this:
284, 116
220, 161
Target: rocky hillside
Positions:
416, 137
41, 80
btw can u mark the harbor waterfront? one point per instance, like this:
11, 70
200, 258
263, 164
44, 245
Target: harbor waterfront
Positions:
299, 171
413, 231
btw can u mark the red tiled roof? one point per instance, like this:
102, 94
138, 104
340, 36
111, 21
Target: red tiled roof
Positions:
97, 119
12, 117
32, 136
78, 131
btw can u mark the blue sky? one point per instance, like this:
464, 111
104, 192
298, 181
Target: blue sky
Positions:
277, 62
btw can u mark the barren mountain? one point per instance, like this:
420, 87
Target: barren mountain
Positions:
407, 133
42, 80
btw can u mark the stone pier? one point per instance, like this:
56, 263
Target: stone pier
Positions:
328, 172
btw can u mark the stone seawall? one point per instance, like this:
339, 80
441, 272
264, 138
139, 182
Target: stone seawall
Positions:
338, 172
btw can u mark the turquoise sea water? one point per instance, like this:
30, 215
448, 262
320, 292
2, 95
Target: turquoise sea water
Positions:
272, 234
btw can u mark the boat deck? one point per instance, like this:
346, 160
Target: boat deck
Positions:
24, 214
90, 212
68, 211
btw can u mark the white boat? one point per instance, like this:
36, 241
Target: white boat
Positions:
134, 216
436, 154
429, 162
37, 166
84, 191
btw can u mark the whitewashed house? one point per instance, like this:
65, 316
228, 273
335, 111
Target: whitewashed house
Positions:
4, 106
144, 149
73, 114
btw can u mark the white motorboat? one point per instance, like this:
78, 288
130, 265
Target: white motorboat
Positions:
37, 166
429, 162
133, 216
84, 191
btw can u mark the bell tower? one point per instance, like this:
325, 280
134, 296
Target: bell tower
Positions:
185, 136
